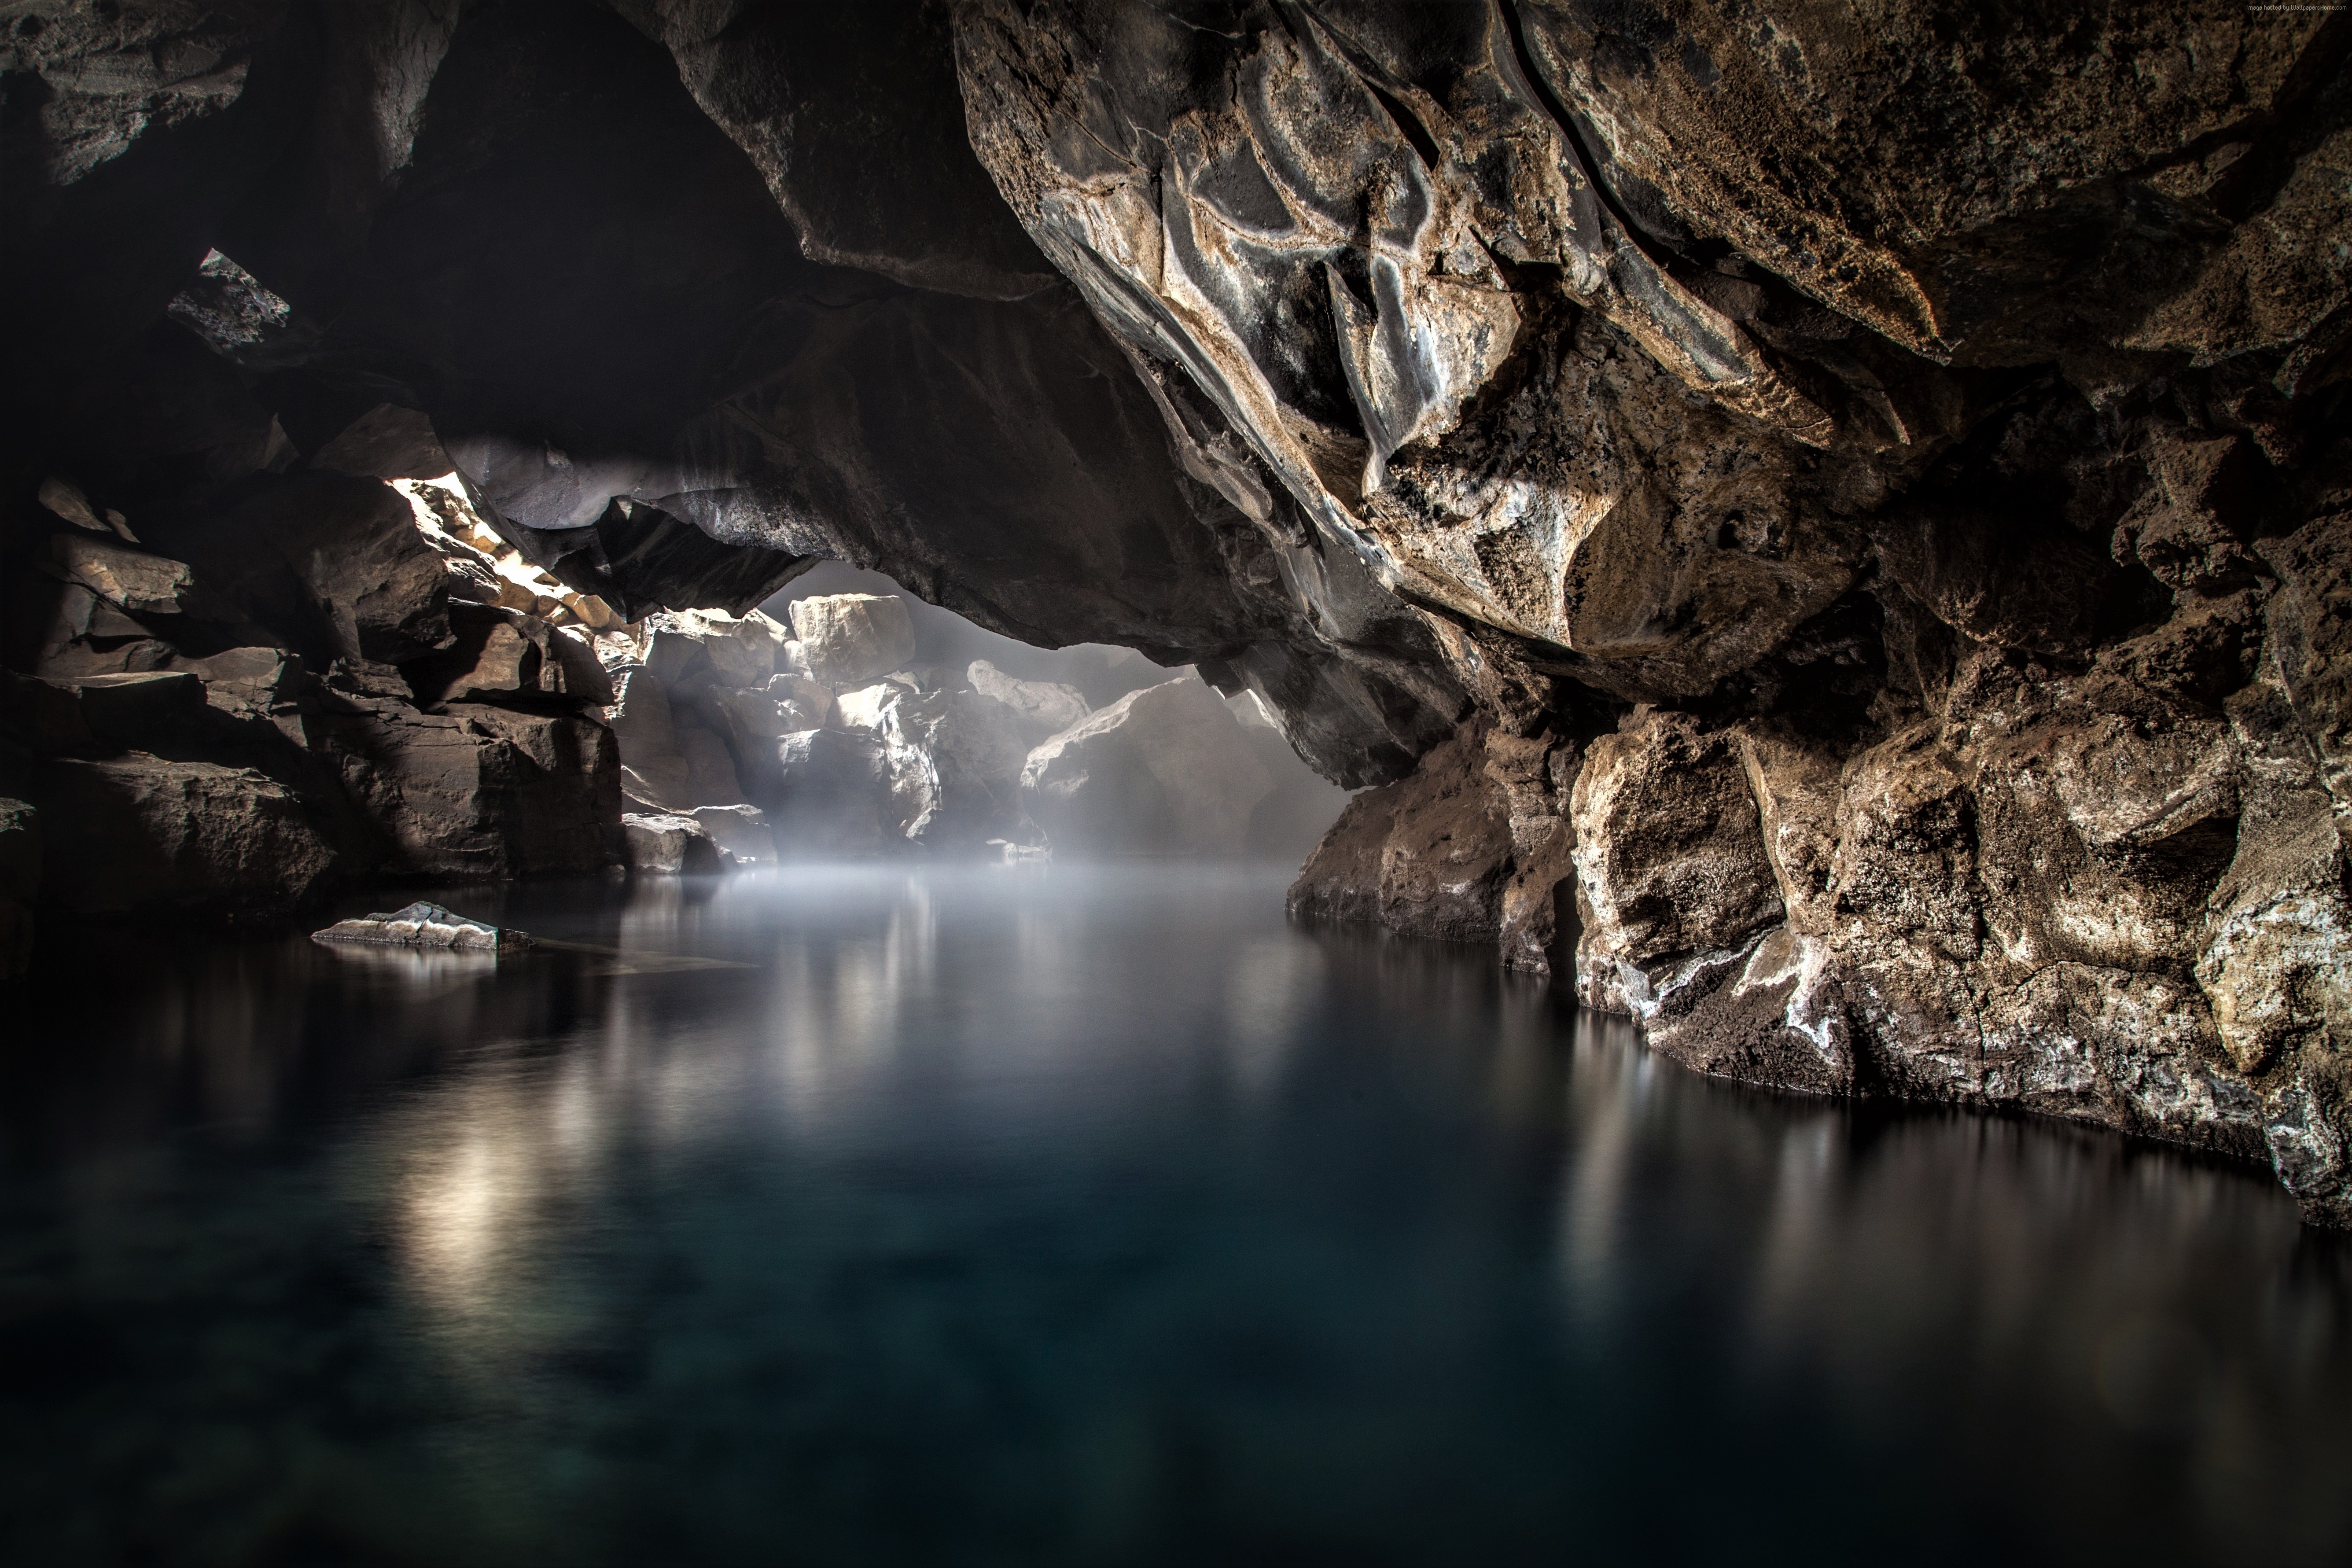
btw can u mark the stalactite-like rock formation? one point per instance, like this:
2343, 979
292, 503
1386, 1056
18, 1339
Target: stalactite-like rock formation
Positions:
1837, 535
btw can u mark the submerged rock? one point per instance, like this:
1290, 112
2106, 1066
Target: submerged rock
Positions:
423, 924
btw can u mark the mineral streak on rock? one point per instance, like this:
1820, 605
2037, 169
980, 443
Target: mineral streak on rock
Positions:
423, 924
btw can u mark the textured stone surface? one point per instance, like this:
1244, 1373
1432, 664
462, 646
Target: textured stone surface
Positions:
1845, 514
423, 924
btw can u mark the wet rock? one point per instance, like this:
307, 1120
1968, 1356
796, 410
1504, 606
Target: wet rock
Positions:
1161, 770
669, 846
423, 924
1428, 856
846, 639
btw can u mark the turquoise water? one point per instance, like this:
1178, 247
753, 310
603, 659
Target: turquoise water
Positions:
1080, 1216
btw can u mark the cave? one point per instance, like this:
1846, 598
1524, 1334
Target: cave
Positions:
1802, 548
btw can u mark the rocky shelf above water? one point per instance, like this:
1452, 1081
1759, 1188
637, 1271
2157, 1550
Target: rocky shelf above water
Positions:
1835, 538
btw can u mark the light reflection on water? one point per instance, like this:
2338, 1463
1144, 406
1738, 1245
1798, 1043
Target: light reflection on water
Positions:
856, 1214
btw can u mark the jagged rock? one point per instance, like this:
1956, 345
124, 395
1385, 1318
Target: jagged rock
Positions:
140, 833
1430, 855
387, 442
668, 846
1165, 770
846, 639
134, 580
423, 924
1040, 708
733, 651
506, 656
953, 760
64, 497
865, 707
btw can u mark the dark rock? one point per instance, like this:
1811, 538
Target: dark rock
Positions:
1429, 855
20, 882
504, 656
478, 790
127, 579
141, 833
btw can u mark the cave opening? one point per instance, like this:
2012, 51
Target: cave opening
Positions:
1068, 781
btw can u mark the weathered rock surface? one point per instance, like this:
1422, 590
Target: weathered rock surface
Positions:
423, 924
1161, 770
847, 639
1857, 511
139, 832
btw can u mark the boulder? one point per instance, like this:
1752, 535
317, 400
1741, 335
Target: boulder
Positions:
504, 656
477, 790
149, 710
141, 833
862, 707
710, 776
668, 846
846, 639
833, 792
954, 762
133, 580
423, 924
1166, 770
1040, 708
685, 647
1429, 855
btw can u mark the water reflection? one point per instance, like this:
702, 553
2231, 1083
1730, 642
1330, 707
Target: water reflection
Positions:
841, 1215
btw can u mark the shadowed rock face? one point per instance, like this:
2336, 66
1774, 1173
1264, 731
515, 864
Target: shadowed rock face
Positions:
1852, 514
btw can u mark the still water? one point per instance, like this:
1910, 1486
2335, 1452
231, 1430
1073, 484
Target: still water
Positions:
1059, 1216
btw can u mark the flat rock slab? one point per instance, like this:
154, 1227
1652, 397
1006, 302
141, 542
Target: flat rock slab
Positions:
423, 925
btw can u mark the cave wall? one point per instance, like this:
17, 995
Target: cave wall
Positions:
1828, 534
